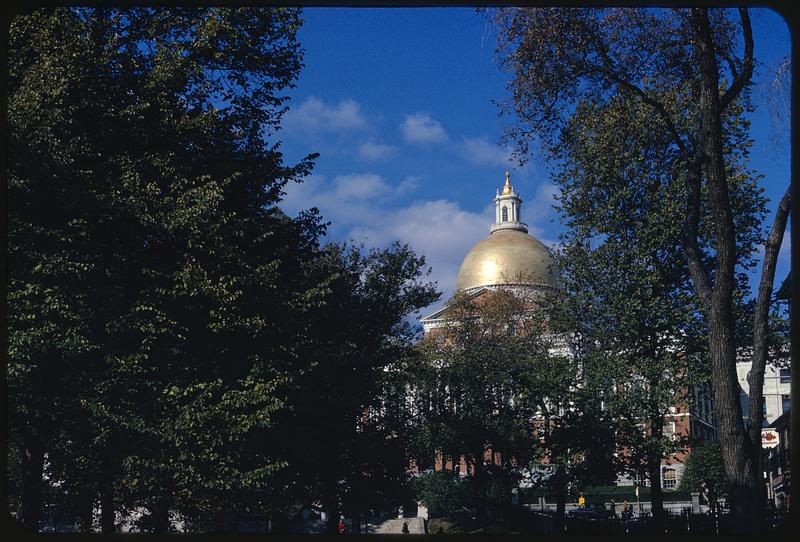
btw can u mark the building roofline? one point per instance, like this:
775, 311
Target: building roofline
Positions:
780, 421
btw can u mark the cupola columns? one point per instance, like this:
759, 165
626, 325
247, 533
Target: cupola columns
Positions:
507, 209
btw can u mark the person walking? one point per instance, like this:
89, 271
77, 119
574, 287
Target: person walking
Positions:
581, 501
342, 527
627, 510
405, 527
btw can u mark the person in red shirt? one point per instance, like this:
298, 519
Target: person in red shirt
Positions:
342, 526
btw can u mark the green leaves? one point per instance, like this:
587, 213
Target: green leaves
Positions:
481, 381
155, 290
345, 435
705, 472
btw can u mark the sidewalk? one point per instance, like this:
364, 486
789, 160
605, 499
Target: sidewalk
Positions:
395, 526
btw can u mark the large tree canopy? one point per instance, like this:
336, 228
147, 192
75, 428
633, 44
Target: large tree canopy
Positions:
153, 284
177, 343
690, 69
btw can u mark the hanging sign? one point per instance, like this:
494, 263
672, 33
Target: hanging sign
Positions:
769, 438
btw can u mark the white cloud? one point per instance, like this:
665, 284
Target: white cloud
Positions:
314, 115
347, 199
363, 208
373, 151
407, 185
440, 230
422, 128
480, 151
359, 207
360, 187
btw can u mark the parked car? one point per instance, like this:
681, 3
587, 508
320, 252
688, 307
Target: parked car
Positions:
591, 511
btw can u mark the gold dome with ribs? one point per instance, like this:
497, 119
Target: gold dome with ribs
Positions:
507, 257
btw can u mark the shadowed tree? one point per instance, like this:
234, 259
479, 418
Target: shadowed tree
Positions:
344, 430
154, 287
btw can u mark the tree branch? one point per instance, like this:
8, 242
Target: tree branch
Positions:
755, 377
747, 66
732, 65
694, 258
658, 106
608, 70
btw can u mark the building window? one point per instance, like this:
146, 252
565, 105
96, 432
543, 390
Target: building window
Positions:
505, 214
669, 430
786, 403
763, 406
786, 376
669, 479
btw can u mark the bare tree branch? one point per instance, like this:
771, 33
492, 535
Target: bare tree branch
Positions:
747, 66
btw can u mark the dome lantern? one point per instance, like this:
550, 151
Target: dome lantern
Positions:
508, 205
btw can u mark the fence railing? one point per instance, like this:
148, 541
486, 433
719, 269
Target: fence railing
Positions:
684, 522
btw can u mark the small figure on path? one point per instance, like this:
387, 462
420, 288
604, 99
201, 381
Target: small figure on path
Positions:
405, 527
342, 526
581, 501
627, 510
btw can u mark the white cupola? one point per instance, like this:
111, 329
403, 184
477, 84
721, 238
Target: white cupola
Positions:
508, 205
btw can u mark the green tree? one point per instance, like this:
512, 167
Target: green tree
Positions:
154, 285
704, 472
574, 445
479, 386
686, 68
626, 286
344, 427
444, 492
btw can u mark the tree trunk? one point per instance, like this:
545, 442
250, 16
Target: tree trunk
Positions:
654, 468
32, 482
480, 489
330, 503
755, 378
656, 494
159, 513
561, 499
86, 512
735, 442
107, 512
355, 521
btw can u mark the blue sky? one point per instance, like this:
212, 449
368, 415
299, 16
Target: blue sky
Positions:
399, 104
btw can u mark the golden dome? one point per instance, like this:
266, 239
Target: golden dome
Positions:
508, 256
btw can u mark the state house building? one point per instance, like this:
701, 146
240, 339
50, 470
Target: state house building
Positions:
512, 260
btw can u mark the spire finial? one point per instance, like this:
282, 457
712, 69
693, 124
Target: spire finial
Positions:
507, 187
